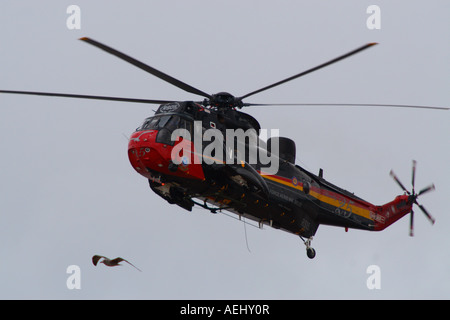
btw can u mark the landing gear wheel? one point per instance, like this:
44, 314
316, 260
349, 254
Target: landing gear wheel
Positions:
311, 253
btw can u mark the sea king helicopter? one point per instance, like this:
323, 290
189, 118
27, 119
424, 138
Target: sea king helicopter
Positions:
189, 159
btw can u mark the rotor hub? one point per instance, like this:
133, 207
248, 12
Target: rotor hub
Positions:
224, 100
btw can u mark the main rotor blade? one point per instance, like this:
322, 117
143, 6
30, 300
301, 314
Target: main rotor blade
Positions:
147, 68
344, 105
310, 70
427, 214
398, 181
411, 224
81, 96
413, 174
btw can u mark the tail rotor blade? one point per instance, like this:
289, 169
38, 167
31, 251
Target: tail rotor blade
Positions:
427, 214
411, 224
426, 189
398, 182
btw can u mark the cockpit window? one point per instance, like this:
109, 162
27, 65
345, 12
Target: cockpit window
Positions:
163, 121
172, 123
154, 123
149, 123
166, 124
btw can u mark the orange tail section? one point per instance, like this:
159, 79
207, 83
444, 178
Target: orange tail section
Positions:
390, 212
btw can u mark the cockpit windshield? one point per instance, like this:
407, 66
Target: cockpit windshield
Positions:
166, 124
154, 123
170, 122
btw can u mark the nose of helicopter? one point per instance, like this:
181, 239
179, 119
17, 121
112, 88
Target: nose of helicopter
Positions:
149, 157
140, 152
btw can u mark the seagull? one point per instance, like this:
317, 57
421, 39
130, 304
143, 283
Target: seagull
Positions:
111, 263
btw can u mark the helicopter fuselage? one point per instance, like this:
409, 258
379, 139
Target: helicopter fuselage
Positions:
291, 199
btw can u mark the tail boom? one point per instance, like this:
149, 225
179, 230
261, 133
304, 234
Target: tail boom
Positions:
389, 213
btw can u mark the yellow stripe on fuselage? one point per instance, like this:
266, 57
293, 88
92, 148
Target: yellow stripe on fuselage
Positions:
344, 203
278, 180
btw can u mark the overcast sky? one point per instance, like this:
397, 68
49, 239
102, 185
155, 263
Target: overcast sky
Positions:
68, 191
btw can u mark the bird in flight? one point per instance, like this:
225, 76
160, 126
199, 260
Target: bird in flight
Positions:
110, 262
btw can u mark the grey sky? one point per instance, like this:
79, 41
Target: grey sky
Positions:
68, 191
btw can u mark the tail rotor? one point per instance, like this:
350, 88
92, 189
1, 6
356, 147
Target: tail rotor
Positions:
413, 197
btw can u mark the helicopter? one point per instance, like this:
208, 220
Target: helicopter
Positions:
209, 154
